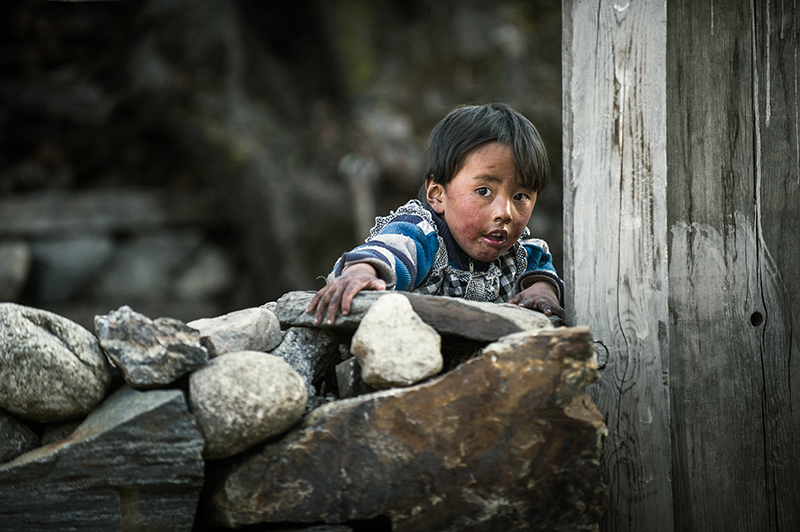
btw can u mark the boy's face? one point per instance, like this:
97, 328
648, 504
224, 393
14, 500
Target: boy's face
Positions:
485, 205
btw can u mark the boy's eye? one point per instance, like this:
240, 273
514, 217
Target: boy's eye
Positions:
522, 197
483, 191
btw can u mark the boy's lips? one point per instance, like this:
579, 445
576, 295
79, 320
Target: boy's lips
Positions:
496, 237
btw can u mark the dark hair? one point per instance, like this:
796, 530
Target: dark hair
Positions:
468, 127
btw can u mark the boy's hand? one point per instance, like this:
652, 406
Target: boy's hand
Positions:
341, 291
541, 296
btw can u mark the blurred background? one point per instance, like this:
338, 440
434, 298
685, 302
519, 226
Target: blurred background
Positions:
192, 158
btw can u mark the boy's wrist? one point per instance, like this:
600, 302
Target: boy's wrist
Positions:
363, 266
378, 269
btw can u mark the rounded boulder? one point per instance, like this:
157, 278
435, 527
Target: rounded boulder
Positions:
241, 399
52, 368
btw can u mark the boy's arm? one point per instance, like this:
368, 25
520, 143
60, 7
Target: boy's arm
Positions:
540, 288
397, 258
402, 253
339, 293
540, 269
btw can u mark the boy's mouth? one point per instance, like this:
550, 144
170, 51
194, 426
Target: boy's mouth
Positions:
495, 238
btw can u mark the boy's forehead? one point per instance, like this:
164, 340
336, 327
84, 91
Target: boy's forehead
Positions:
493, 158
491, 154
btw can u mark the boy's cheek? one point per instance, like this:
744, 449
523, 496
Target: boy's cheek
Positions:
518, 230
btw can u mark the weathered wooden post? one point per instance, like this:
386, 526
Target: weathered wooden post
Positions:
615, 241
682, 133
734, 204
682, 191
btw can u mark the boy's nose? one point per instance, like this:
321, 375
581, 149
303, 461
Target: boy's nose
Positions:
503, 209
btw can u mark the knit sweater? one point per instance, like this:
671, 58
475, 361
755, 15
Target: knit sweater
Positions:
412, 250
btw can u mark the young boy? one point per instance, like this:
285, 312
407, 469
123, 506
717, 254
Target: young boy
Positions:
487, 165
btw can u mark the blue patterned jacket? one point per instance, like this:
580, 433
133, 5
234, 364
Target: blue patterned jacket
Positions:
413, 251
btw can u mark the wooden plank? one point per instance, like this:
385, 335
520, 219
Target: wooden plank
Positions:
715, 437
59, 212
734, 197
615, 240
777, 216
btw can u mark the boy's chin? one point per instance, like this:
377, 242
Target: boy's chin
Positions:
487, 256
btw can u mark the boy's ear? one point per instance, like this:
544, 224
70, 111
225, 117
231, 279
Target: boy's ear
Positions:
434, 192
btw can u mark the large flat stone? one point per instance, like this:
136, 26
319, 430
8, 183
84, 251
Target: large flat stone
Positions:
448, 315
133, 464
507, 441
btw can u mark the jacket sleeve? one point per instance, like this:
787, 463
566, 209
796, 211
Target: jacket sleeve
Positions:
540, 268
402, 253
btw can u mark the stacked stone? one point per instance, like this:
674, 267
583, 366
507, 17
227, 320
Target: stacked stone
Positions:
400, 413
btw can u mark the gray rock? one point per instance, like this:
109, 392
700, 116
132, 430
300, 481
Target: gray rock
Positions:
349, 381
15, 265
473, 320
134, 464
244, 398
53, 369
16, 438
291, 307
394, 347
250, 329
62, 266
311, 352
149, 353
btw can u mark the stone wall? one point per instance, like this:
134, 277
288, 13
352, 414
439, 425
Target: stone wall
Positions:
412, 413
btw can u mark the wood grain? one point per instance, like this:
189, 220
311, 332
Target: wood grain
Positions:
734, 200
686, 115
615, 241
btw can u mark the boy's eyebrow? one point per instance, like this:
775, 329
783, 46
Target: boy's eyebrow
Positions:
488, 178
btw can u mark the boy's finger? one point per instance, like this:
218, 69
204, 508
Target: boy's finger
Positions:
333, 307
319, 313
313, 303
322, 307
347, 300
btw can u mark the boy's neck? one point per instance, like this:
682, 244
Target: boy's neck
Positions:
457, 256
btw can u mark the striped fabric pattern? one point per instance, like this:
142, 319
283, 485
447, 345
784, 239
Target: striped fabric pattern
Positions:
410, 254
